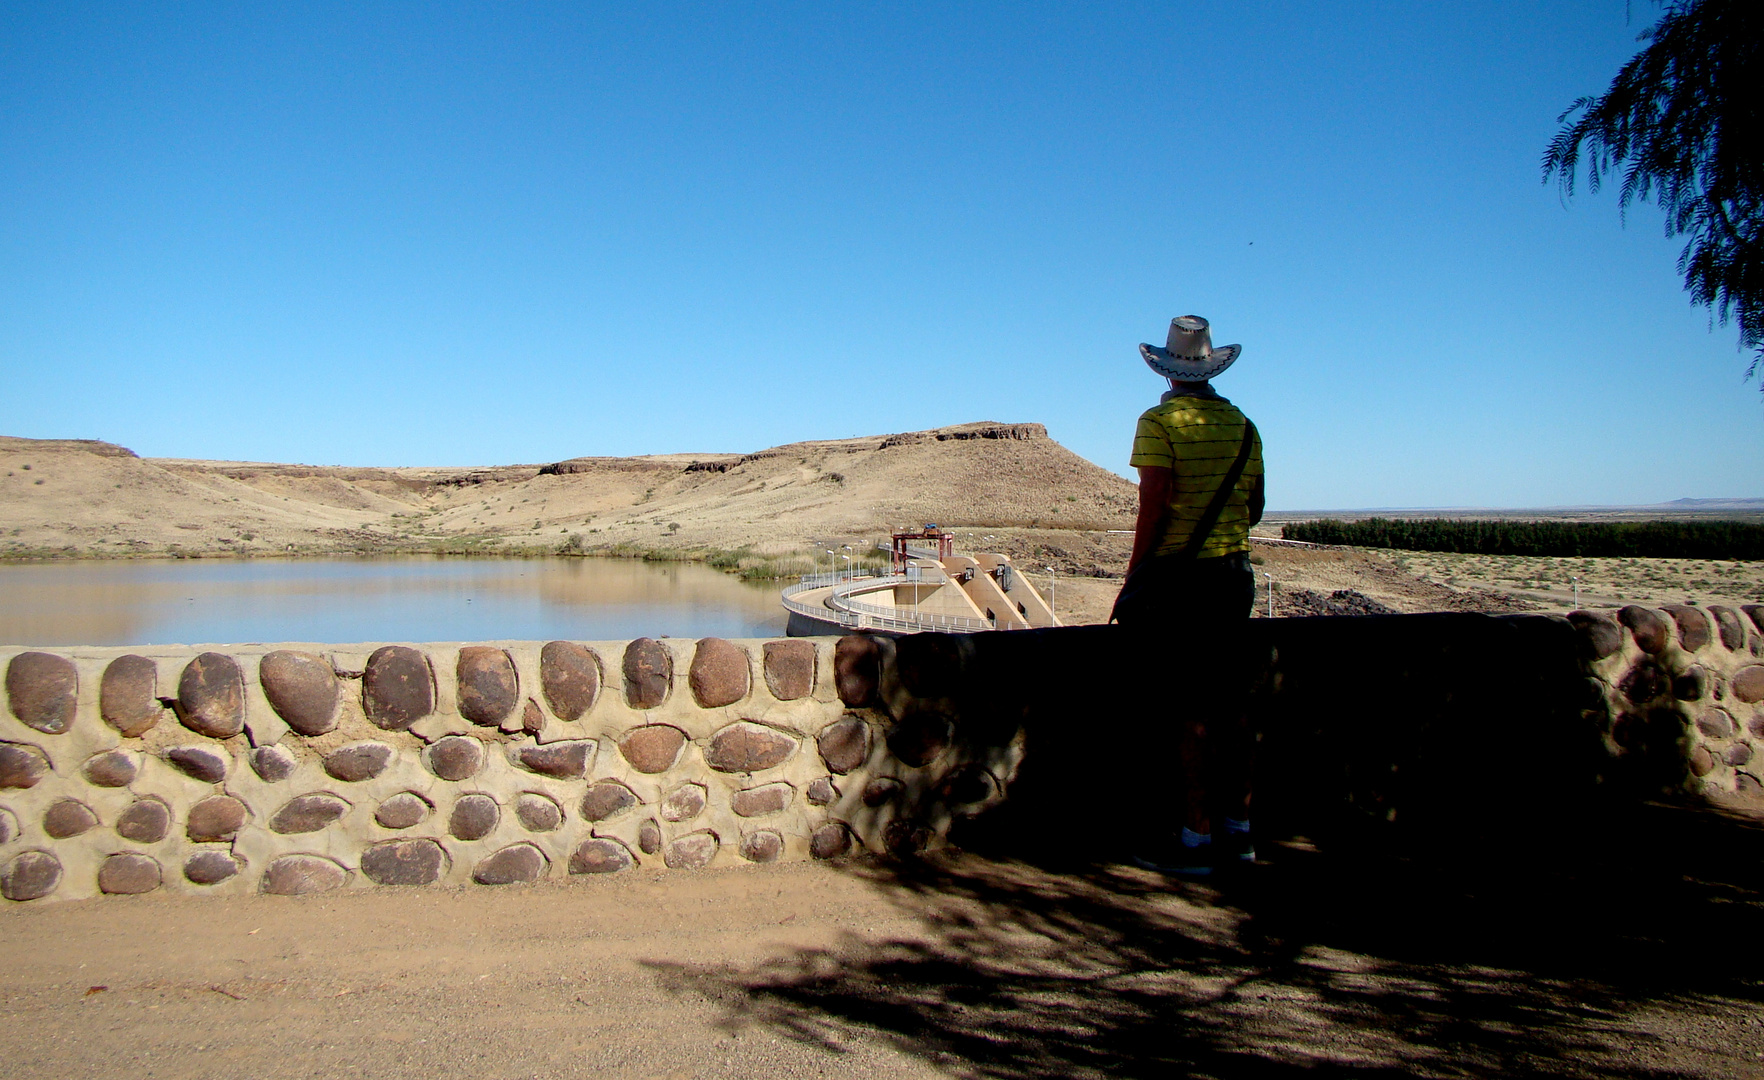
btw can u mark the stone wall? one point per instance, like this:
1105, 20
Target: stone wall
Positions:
299, 768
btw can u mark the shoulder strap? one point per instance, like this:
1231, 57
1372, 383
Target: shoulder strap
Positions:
1204, 527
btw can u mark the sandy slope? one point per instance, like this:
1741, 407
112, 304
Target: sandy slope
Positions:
79, 497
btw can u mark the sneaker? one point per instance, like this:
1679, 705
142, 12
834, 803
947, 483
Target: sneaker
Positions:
1233, 848
1174, 857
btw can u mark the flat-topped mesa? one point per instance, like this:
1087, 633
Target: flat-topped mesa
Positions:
985, 429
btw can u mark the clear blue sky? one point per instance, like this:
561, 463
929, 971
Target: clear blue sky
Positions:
478, 234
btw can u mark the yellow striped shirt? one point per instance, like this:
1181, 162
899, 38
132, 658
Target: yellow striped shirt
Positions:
1198, 438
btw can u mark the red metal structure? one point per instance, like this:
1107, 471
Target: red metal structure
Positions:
945, 545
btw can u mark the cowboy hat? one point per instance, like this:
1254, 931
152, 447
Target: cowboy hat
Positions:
1188, 355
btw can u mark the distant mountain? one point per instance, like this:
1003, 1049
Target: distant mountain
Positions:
1717, 504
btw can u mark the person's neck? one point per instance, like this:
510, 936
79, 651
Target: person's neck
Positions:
1190, 389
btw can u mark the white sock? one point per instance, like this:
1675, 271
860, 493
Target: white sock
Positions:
1234, 825
1190, 838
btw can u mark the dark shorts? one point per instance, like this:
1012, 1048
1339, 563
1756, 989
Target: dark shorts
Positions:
1163, 593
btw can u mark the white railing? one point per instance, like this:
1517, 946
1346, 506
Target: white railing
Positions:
838, 607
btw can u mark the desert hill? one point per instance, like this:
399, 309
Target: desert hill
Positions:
81, 497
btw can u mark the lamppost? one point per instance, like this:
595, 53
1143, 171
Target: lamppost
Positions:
1269, 578
1052, 580
1576, 591
832, 567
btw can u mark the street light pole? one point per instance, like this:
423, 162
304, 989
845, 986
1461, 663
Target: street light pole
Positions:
1052, 580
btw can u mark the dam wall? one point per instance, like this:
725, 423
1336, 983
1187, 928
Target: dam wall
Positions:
298, 768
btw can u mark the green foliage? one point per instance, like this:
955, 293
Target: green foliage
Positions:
1681, 120
1589, 539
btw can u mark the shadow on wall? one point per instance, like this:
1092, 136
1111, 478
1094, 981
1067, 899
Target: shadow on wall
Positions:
1617, 951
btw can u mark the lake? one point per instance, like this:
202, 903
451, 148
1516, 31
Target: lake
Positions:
413, 598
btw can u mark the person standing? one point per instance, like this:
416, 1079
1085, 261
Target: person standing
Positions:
1189, 592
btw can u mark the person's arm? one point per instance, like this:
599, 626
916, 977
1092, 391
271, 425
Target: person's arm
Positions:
1155, 482
1258, 500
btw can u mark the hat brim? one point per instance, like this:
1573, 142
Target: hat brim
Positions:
1184, 370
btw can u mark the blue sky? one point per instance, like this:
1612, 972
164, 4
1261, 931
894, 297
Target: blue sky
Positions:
482, 234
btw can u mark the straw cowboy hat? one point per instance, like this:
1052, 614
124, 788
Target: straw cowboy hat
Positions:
1188, 355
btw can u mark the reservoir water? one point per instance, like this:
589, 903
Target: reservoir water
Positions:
418, 598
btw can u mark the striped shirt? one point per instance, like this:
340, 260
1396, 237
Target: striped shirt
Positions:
1198, 438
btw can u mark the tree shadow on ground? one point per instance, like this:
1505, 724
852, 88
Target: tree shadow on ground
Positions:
1626, 949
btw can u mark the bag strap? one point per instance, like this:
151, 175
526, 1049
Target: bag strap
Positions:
1203, 529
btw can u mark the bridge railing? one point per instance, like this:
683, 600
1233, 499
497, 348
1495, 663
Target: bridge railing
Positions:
838, 606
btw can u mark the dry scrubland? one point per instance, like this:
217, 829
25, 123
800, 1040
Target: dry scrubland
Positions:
1005, 487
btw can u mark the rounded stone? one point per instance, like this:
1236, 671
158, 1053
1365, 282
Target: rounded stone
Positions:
567, 760
1748, 684
218, 817
456, 757
43, 691
857, 669
532, 719
198, 763
762, 800
474, 817
9, 830
397, 687
538, 813
1643, 683
1756, 724
721, 673
880, 790
210, 867
1731, 627
649, 673
302, 688
1647, 626
905, 837
649, 837
844, 744
569, 674
652, 748
21, 765
1737, 754
746, 747
113, 768
145, 821
404, 862
1754, 612
358, 761
31, 875
599, 855
606, 799
488, 686
1747, 785
920, 738
821, 791
763, 846
790, 668
683, 803
516, 864
402, 811
1694, 631
68, 817
967, 787
128, 873
211, 696
296, 875
307, 813
1716, 724
1600, 636
273, 764
1691, 685
930, 665
830, 841
694, 851
1701, 761
128, 695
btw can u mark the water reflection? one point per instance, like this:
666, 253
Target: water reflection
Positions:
386, 599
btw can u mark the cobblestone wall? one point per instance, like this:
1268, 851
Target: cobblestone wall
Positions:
301, 768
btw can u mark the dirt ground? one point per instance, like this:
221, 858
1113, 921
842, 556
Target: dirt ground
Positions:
1627, 954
